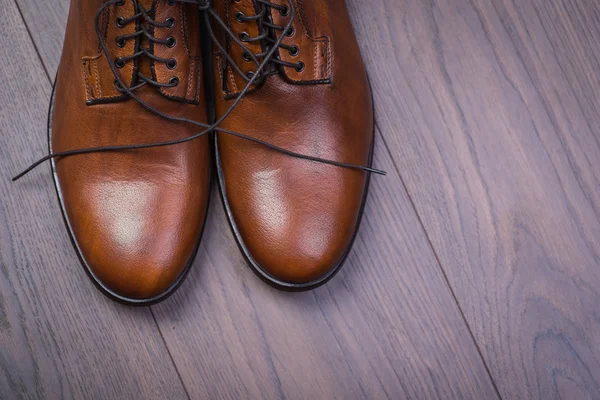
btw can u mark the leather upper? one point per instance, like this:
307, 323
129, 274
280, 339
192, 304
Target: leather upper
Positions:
135, 215
297, 218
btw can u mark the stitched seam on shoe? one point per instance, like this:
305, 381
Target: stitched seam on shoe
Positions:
86, 80
329, 60
98, 88
198, 76
92, 62
303, 18
316, 58
105, 22
191, 78
232, 79
220, 65
183, 17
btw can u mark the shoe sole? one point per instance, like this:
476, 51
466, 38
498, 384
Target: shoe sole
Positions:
97, 282
254, 266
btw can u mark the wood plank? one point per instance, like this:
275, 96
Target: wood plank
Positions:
59, 337
49, 29
387, 326
491, 112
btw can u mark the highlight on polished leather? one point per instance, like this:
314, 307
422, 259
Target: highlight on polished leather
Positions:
135, 216
132, 218
295, 220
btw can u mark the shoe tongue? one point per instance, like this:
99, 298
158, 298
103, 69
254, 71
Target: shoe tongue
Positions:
144, 63
147, 4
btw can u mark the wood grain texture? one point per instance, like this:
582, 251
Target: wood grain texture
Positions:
59, 337
488, 112
491, 112
386, 327
49, 29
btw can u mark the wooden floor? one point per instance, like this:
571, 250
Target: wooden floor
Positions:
476, 273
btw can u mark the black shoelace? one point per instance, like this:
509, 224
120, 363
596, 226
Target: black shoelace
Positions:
267, 36
203, 5
140, 18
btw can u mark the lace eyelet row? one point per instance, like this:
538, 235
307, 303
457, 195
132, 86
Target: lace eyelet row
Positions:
170, 41
294, 50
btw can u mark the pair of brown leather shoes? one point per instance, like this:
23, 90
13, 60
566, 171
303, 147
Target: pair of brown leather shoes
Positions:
131, 156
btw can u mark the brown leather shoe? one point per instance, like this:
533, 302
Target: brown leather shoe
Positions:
135, 216
294, 219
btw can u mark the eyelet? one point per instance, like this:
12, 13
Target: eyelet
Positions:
239, 16
120, 3
120, 23
120, 42
294, 51
250, 75
171, 63
285, 11
299, 67
171, 2
119, 62
117, 86
170, 22
244, 36
174, 81
290, 32
246, 56
171, 42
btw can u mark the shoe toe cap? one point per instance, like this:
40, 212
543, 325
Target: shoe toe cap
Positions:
301, 253
296, 231
135, 238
